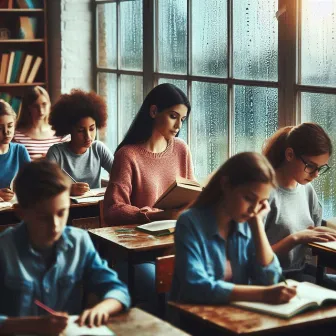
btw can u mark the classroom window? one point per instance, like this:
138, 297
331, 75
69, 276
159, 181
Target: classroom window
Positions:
248, 67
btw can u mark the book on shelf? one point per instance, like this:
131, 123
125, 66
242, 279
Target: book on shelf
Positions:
25, 68
6, 4
27, 27
181, 192
28, 4
93, 195
16, 103
5, 96
3, 68
10, 66
158, 228
309, 296
34, 69
17, 63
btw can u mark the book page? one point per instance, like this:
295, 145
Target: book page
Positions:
91, 193
314, 292
73, 329
331, 245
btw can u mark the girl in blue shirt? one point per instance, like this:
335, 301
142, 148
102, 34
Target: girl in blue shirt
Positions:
12, 155
222, 252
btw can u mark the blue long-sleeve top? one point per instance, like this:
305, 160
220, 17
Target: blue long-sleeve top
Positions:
201, 255
24, 276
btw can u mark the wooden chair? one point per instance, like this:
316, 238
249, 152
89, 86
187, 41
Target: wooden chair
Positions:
163, 279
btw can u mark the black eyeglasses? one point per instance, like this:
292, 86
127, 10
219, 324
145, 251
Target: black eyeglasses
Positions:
311, 168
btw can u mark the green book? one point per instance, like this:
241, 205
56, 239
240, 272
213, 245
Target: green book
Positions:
16, 104
5, 96
18, 59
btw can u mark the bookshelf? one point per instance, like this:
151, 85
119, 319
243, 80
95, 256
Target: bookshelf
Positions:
23, 32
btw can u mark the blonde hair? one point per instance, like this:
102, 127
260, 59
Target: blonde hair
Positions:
6, 109
25, 119
242, 168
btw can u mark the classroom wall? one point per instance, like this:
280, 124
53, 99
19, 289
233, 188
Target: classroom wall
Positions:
69, 45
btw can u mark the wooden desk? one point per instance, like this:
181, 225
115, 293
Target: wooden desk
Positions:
82, 210
221, 320
138, 322
135, 247
326, 257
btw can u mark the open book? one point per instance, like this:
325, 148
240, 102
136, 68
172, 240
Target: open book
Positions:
158, 228
308, 296
92, 195
328, 245
181, 192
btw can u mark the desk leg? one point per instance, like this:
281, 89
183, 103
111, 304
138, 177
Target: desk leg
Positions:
131, 280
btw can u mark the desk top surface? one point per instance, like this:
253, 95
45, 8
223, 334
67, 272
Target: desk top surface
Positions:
324, 248
244, 322
138, 322
127, 237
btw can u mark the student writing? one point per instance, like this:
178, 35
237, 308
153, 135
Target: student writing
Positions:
80, 114
12, 155
33, 129
222, 252
43, 259
299, 154
149, 159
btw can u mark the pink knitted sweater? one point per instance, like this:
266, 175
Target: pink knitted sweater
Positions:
138, 177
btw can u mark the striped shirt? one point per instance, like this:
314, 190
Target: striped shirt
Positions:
38, 147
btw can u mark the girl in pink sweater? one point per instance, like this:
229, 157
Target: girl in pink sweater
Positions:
146, 162
149, 159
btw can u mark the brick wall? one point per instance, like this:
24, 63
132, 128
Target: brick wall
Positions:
70, 46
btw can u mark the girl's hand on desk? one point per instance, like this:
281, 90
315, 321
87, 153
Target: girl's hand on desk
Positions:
312, 235
278, 294
324, 229
6, 194
79, 188
100, 313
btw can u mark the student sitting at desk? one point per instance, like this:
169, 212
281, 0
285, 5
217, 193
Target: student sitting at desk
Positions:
32, 128
12, 155
80, 114
149, 159
221, 246
43, 259
299, 154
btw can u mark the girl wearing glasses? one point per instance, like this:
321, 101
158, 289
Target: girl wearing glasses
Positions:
299, 154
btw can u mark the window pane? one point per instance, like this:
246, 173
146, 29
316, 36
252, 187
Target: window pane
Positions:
181, 84
131, 97
131, 42
172, 36
256, 117
107, 88
320, 108
107, 36
255, 37
209, 38
319, 42
209, 127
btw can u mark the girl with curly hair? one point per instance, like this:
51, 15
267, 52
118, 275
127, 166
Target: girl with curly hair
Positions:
80, 114
32, 128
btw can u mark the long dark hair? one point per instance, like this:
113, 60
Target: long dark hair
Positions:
162, 96
305, 139
242, 168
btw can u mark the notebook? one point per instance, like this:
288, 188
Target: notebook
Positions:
181, 192
93, 195
158, 228
309, 296
73, 329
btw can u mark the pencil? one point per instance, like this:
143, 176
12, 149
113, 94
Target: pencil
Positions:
43, 306
284, 280
69, 175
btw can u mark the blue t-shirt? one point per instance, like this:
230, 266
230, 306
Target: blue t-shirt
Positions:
11, 162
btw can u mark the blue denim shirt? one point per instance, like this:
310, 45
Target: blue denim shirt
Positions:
24, 276
201, 258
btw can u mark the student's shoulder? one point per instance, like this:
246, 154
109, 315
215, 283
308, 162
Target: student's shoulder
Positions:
180, 144
100, 146
6, 236
17, 147
127, 152
59, 147
192, 217
76, 235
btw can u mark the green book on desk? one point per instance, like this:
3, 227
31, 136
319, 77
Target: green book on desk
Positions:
309, 296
